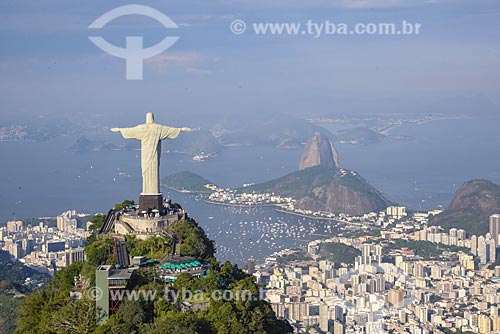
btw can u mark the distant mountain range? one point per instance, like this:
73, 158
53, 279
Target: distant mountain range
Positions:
192, 143
280, 131
471, 207
195, 142
286, 132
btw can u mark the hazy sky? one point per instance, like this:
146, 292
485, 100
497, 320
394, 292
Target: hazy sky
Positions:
49, 67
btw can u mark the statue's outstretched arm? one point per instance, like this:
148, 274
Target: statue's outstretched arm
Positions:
136, 132
168, 132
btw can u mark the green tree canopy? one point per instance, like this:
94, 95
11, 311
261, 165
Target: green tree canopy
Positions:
124, 204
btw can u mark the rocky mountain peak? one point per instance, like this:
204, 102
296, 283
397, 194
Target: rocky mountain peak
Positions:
319, 150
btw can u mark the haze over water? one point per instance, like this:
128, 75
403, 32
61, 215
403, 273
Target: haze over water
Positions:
44, 179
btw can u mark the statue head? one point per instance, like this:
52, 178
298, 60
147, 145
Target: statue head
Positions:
150, 118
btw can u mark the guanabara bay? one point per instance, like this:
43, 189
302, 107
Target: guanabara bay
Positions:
250, 167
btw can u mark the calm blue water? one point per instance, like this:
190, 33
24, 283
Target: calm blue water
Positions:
44, 179
426, 171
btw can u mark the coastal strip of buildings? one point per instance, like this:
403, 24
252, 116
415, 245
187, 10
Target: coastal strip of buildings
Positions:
388, 289
47, 248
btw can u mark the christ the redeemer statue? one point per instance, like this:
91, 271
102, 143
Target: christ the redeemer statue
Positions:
150, 134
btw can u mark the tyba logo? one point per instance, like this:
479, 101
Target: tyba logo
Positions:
134, 52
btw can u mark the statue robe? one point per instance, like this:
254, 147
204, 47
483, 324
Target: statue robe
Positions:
150, 136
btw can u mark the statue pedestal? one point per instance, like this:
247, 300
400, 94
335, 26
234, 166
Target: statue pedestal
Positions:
145, 227
151, 202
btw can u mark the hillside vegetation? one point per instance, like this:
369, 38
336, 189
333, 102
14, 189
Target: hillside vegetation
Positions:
326, 189
186, 181
51, 310
471, 207
13, 275
339, 253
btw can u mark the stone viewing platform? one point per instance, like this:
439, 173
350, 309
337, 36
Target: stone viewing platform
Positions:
132, 223
133, 220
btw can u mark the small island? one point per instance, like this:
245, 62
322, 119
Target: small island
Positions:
187, 182
83, 144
